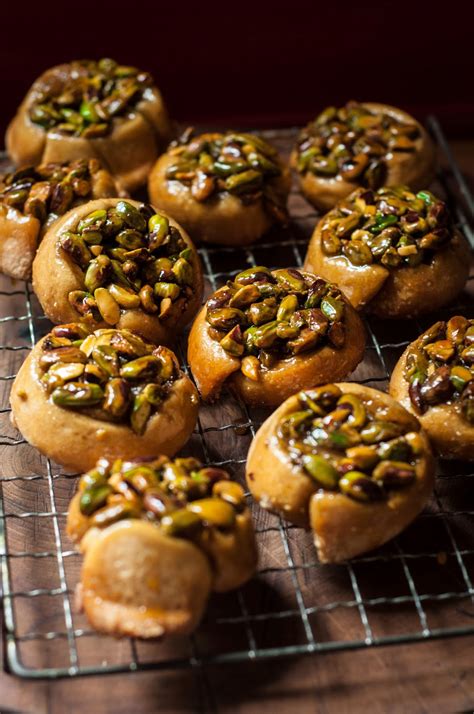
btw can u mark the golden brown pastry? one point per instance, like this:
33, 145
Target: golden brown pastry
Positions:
346, 461
31, 199
88, 109
269, 333
223, 188
361, 144
119, 263
81, 395
434, 380
391, 251
158, 537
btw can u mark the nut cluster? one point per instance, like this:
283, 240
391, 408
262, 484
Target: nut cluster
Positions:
240, 164
266, 315
49, 190
90, 96
132, 258
343, 446
112, 375
390, 226
182, 496
440, 367
353, 143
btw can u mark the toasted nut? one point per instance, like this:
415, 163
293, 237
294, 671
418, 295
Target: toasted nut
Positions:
130, 239
321, 471
167, 290
131, 216
363, 457
287, 307
233, 342
396, 450
61, 372
360, 487
224, 318
332, 308
456, 329
459, 377
358, 413
146, 299
394, 474
442, 350
159, 227
229, 491
182, 523
77, 395
326, 396
125, 297
107, 358
250, 367
143, 367
94, 498
261, 312
379, 430
141, 413
116, 397
71, 331
165, 307
98, 272
108, 307
113, 513
75, 246
183, 272
214, 511
62, 354
291, 279
244, 297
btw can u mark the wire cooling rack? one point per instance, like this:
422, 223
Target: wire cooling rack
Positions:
417, 587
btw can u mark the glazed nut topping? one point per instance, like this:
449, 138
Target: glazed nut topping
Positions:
49, 190
131, 258
240, 164
353, 143
440, 368
263, 316
392, 226
91, 95
111, 375
344, 445
182, 497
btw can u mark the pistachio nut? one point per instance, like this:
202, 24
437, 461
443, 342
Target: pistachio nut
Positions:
130, 256
243, 165
391, 226
268, 316
354, 143
439, 365
339, 441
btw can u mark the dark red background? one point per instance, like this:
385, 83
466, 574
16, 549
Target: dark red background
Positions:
256, 63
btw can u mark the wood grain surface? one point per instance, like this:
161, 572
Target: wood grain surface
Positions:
435, 676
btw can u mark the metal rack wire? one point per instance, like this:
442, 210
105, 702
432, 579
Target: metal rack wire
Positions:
416, 588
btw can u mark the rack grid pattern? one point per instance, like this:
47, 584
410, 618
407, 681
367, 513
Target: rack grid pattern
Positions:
416, 588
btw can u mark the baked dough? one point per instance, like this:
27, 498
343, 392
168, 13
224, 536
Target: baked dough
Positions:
290, 331
346, 461
366, 144
157, 297
158, 537
395, 253
433, 379
92, 110
126, 407
32, 199
227, 188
